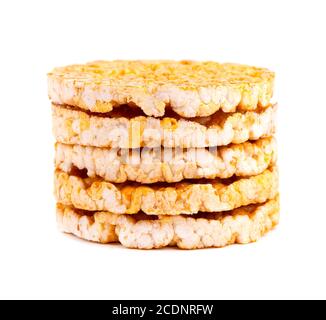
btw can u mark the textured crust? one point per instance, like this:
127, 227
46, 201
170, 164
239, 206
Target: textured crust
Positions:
78, 127
191, 89
168, 165
243, 225
181, 198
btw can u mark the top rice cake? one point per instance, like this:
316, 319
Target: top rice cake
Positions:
189, 88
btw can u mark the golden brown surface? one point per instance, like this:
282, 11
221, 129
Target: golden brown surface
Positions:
181, 198
243, 225
189, 88
168, 165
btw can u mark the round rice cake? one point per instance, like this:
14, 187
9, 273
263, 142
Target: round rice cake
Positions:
150, 165
242, 226
189, 88
129, 130
218, 195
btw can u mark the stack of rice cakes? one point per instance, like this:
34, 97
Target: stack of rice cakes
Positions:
165, 153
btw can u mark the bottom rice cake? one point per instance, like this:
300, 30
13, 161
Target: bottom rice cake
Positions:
204, 230
189, 197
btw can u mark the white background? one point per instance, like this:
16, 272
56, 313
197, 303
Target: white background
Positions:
36, 261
